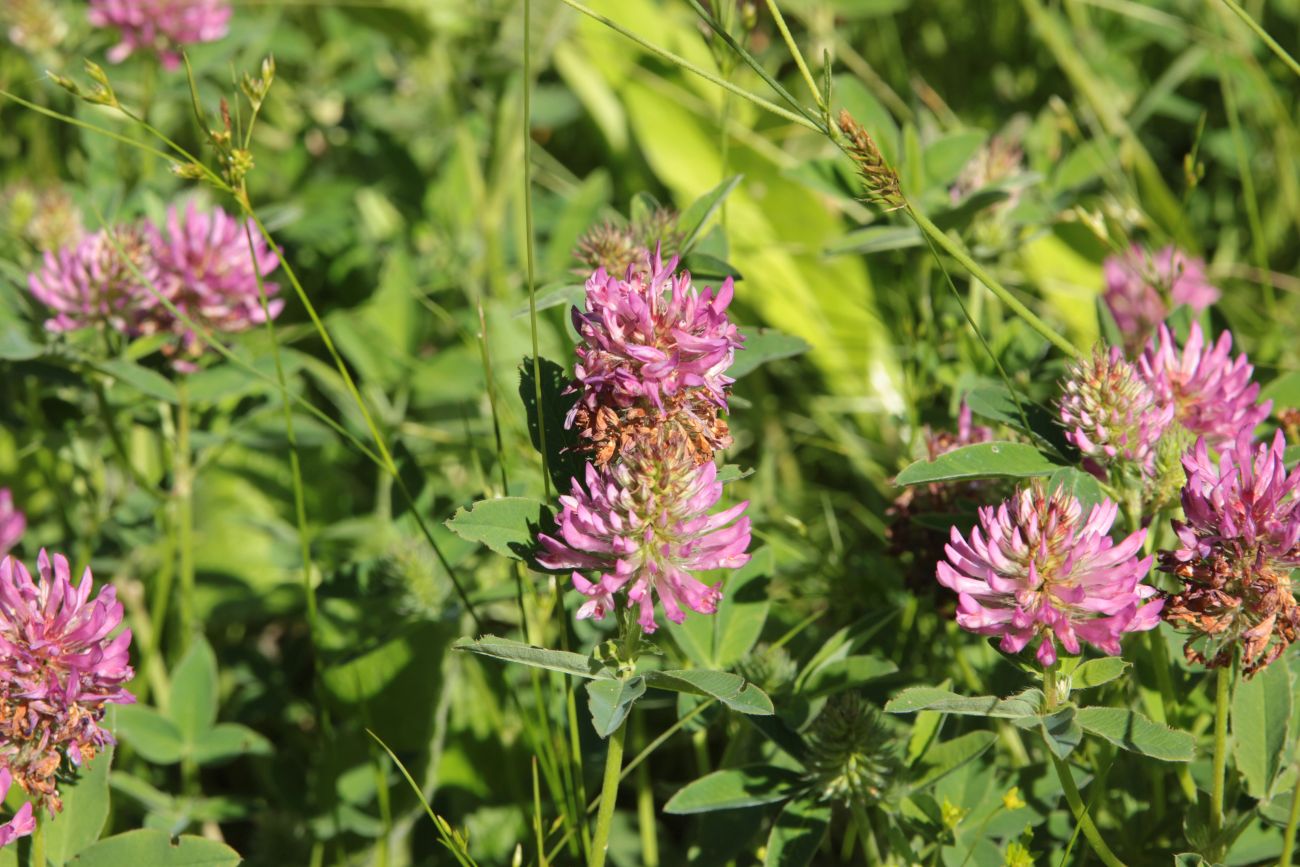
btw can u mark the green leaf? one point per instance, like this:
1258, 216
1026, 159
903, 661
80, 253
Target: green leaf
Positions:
846, 673
507, 525
705, 267
1284, 391
193, 705
947, 156
742, 612
763, 345
556, 295
1261, 707
149, 733
1026, 704
735, 787
610, 700
563, 460
996, 403
85, 811
1061, 731
876, 239
16, 345
797, 834
152, 848
227, 741
1095, 672
538, 657
731, 689
1084, 487
980, 461
1134, 732
697, 213
945, 757
148, 382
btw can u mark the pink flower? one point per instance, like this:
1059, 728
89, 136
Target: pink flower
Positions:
23, 823
209, 275
1245, 506
1035, 567
161, 26
1110, 413
59, 667
1140, 288
1211, 392
1240, 542
650, 336
94, 282
643, 523
13, 524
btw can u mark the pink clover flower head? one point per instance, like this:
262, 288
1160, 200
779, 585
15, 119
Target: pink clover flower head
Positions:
1110, 412
23, 823
60, 665
1138, 284
650, 335
97, 281
161, 26
1035, 566
13, 524
643, 524
1245, 506
1211, 392
210, 276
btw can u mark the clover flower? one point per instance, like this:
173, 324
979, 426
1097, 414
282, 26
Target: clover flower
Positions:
1239, 543
101, 280
161, 26
1211, 392
851, 752
13, 524
209, 275
1141, 289
1110, 412
643, 524
23, 822
1036, 567
653, 361
59, 668
616, 247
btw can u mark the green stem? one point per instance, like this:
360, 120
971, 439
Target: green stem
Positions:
1090, 832
38, 840
1263, 35
870, 848
1288, 837
779, 19
954, 249
1222, 691
528, 243
608, 796
645, 806
184, 492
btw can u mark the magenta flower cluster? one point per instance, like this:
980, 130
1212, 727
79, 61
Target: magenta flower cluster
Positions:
13, 524
1036, 568
161, 26
61, 663
651, 378
1111, 413
135, 280
1142, 288
650, 335
1211, 392
1244, 505
643, 524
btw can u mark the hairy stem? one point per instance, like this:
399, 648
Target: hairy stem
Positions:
1222, 692
608, 796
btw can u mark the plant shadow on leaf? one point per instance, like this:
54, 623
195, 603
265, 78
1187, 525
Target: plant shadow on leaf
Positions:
563, 459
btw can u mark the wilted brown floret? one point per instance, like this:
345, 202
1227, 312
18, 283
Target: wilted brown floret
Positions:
1225, 603
605, 432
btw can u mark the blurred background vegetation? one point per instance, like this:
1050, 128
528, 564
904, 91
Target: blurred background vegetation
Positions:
389, 167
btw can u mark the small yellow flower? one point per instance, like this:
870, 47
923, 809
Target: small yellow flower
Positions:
1012, 800
1017, 855
952, 814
